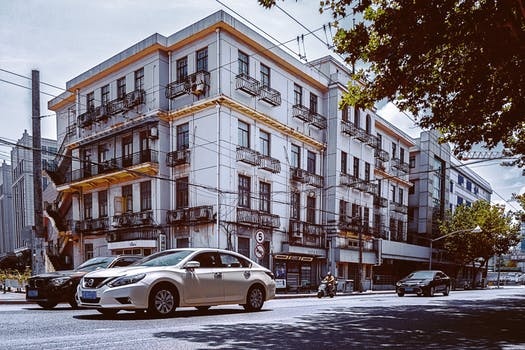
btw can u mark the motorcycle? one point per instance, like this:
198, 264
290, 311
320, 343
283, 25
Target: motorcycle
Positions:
327, 289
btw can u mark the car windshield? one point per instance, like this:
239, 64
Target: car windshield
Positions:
422, 275
95, 263
165, 258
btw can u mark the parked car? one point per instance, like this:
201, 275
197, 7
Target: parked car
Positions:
196, 277
49, 289
424, 282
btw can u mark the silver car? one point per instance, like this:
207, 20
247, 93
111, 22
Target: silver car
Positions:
198, 277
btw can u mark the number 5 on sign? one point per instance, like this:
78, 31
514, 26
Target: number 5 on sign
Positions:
259, 236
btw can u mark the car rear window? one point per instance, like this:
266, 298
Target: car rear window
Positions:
95, 263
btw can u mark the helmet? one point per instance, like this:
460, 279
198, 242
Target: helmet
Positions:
328, 273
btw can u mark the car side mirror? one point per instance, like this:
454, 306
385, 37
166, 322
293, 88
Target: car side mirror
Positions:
190, 265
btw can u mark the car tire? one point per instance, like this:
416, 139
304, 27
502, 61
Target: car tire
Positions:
430, 292
108, 312
399, 294
446, 292
254, 299
163, 300
47, 304
73, 302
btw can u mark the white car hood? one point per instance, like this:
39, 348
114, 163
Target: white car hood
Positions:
125, 271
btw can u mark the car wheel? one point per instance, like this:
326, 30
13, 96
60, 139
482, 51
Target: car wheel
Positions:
254, 299
430, 292
446, 292
162, 300
108, 312
203, 308
73, 302
47, 304
399, 294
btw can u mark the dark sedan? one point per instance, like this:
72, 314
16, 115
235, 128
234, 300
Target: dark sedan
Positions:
424, 282
49, 289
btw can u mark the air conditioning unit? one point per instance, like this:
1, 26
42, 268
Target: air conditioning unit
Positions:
198, 83
154, 133
176, 216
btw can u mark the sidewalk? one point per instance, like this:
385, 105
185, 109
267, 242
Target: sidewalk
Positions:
20, 297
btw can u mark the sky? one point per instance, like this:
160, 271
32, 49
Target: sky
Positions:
64, 38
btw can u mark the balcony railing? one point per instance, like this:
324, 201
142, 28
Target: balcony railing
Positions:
398, 164
269, 95
247, 84
178, 157
137, 233
307, 177
262, 161
91, 225
348, 223
133, 219
90, 169
306, 234
190, 216
302, 112
400, 208
349, 128
380, 201
270, 164
381, 155
349, 180
318, 120
258, 218
195, 83
178, 88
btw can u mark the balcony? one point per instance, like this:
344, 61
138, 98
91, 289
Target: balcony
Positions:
318, 120
271, 164
86, 119
178, 157
247, 84
306, 234
247, 155
372, 188
126, 102
382, 155
257, 218
190, 216
349, 180
380, 201
90, 225
349, 128
399, 208
130, 219
307, 177
178, 88
196, 84
137, 233
269, 95
348, 223
302, 112
398, 164
379, 164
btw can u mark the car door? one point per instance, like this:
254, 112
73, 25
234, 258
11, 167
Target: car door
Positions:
440, 281
236, 277
203, 285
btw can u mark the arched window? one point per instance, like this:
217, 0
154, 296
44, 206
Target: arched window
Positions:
368, 124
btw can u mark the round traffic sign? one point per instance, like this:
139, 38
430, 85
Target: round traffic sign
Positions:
259, 251
259, 236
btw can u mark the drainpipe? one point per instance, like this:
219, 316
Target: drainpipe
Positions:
218, 108
218, 31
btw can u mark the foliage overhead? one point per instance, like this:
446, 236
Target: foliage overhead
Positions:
498, 233
456, 65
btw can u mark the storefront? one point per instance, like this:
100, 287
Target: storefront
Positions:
294, 273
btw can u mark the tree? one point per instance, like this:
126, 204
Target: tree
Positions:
498, 234
456, 65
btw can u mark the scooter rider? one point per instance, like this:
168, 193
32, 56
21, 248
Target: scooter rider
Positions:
330, 280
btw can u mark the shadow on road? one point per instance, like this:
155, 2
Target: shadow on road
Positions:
494, 324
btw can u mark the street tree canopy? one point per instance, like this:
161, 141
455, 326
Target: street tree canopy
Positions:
456, 65
498, 233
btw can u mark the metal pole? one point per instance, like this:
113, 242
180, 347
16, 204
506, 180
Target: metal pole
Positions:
430, 257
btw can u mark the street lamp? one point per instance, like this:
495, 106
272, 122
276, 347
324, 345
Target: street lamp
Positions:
476, 229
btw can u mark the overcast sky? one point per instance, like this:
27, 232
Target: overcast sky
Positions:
64, 38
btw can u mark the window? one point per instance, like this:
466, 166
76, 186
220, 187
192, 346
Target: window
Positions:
342, 209
183, 136
461, 180
344, 113
181, 193
244, 134
264, 138
296, 156
393, 193
367, 171
243, 246
90, 101
127, 195
265, 75
313, 103
380, 141
368, 124
127, 151
104, 95
88, 251
202, 60
103, 153
401, 194
451, 186
310, 210
357, 117
311, 162
366, 217
182, 69
295, 205
469, 185
244, 191
356, 167
460, 200
394, 150
298, 94
145, 154
88, 206
264, 197
412, 189
412, 162
139, 79
356, 212
244, 63
344, 160
103, 204
121, 87
145, 195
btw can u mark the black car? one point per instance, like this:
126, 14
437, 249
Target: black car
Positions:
424, 282
49, 289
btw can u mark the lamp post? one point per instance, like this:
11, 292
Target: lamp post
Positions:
476, 229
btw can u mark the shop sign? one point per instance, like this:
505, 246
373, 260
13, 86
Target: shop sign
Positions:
294, 257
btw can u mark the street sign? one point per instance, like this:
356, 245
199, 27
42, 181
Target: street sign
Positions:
259, 251
259, 236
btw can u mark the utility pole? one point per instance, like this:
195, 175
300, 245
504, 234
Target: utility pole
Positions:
38, 261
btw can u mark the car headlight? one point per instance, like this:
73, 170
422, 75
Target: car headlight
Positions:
124, 280
60, 281
399, 284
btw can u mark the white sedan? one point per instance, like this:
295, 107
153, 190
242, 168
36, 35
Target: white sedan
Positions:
198, 277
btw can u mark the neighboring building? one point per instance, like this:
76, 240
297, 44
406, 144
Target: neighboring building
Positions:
465, 186
207, 138
7, 242
23, 186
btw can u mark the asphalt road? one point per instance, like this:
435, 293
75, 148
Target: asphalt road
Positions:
480, 319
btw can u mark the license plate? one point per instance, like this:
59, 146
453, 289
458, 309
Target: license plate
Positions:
409, 289
32, 293
89, 294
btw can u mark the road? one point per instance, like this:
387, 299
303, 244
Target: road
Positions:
480, 319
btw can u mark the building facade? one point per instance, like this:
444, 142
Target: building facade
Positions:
215, 137
7, 242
